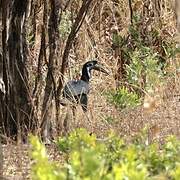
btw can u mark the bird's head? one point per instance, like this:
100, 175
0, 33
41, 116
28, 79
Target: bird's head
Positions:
91, 65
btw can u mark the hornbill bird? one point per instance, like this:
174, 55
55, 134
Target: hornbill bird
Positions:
77, 90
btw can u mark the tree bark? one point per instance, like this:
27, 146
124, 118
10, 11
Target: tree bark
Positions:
53, 34
74, 30
177, 10
18, 117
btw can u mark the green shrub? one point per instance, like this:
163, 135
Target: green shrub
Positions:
65, 24
143, 70
122, 98
88, 157
42, 169
146, 55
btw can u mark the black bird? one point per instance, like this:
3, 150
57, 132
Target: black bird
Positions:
77, 90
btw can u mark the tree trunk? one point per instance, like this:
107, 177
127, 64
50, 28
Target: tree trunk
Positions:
53, 34
18, 117
177, 5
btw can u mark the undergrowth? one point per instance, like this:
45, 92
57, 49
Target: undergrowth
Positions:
147, 58
88, 157
122, 98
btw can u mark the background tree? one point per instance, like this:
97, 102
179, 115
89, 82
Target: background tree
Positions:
18, 115
46, 42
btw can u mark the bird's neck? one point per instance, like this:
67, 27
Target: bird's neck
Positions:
86, 74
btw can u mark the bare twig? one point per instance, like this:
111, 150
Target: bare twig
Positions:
131, 10
75, 28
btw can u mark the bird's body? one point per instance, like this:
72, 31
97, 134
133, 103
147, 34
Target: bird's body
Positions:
77, 90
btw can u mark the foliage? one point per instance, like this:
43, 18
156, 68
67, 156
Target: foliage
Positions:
65, 25
146, 54
143, 69
88, 157
42, 169
122, 98
110, 119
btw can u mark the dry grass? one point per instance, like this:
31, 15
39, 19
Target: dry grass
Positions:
161, 119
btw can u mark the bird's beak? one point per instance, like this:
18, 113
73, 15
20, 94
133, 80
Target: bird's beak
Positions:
99, 67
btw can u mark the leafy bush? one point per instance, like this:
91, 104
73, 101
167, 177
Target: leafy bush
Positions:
122, 98
42, 169
88, 157
65, 24
146, 55
143, 70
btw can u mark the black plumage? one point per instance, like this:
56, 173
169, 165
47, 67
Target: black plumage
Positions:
77, 90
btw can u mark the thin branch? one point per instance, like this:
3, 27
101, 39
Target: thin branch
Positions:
131, 11
75, 28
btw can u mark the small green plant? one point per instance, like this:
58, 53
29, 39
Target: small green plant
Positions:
87, 157
143, 70
65, 24
122, 98
146, 55
110, 119
42, 168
